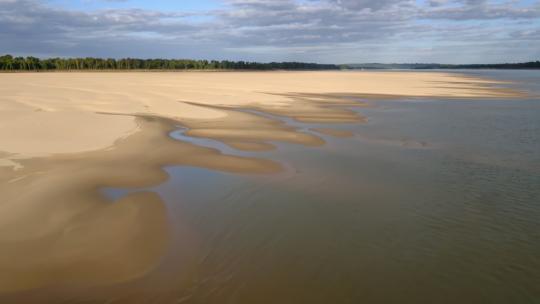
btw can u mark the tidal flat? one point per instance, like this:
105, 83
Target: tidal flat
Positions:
269, 187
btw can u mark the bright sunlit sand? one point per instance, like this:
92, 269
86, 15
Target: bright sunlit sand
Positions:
52, 113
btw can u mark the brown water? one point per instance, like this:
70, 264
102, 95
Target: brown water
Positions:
432, 201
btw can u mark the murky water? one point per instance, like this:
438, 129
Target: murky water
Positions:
432, 201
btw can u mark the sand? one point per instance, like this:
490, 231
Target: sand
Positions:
64, 136
49, 113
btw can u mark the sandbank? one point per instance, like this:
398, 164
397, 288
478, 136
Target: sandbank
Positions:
64, 136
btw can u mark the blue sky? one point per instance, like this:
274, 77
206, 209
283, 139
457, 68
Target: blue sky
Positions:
327, 31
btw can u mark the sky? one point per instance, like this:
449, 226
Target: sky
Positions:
324, 31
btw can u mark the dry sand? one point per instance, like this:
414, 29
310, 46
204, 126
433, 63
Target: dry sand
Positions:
65, 135
49, 113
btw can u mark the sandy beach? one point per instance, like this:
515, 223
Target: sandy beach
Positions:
66, 135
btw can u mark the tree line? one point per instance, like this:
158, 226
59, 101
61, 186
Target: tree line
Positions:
10, 63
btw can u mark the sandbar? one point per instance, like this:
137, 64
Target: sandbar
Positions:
64, 136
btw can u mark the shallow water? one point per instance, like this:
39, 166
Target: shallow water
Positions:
432, 201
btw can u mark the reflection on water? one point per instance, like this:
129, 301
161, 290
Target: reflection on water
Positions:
432, 201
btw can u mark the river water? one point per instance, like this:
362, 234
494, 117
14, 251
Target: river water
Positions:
431, 201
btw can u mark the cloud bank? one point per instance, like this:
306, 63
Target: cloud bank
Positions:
331, 31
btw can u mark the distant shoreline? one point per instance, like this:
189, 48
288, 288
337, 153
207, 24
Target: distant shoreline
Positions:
11, 63
445, 70
532, 65
159, 71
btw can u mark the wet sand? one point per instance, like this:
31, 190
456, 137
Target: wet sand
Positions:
66, 135
57, 228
